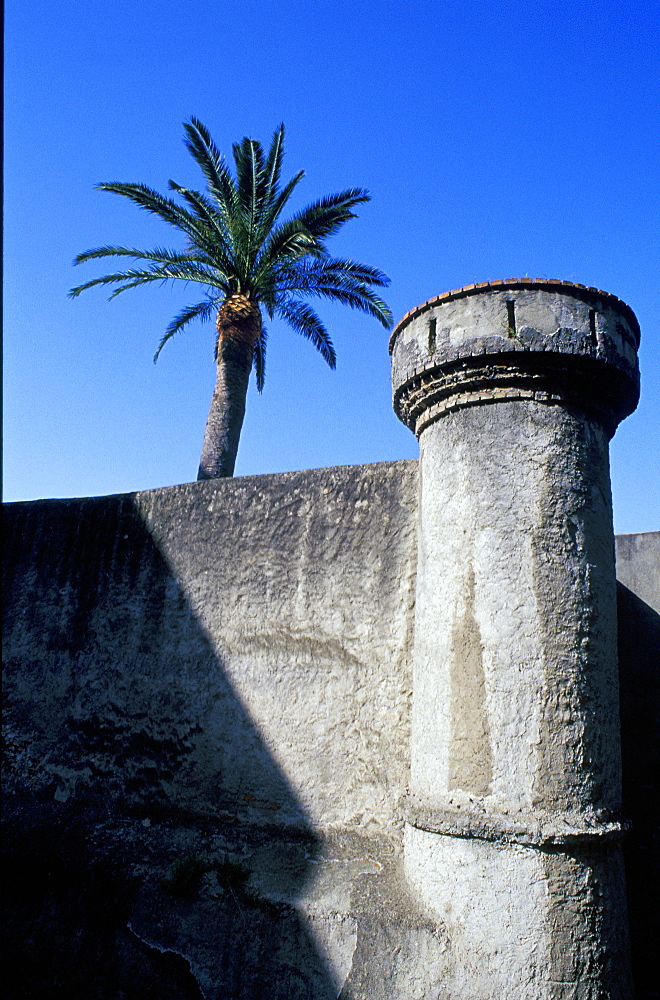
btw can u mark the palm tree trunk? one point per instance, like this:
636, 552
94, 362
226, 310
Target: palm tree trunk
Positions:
239, 325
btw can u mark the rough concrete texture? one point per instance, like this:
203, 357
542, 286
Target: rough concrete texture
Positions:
210, 685
515, 631
219, 637
522, 921
515, 737
208, 722
515, 780
639, 673
638, 565
122, 879
550, 341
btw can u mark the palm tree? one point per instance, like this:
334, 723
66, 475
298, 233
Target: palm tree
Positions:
248, 261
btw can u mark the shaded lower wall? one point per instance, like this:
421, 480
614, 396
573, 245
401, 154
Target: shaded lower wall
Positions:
207, 702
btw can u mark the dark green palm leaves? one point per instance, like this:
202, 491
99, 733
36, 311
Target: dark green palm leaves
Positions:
235, 243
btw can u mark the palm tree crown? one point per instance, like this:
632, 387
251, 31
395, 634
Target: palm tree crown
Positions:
247, 259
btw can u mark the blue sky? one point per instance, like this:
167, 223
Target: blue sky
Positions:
497, 139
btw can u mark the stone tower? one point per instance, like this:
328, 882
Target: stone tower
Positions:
514, 389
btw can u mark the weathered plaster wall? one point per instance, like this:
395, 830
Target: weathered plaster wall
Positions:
515, 721
638, 569
638, 565
207, 718
516, 630
218, 675
514, 833
245, 630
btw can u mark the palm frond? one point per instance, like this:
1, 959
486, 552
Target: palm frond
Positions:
151, 201
158, 254
259, 359
325, 217
212, 163
343, 281
215, 279
203, 311
308, 272
304, 321
288, 243
166, 209
271, 199
361, 298
168, 272
328, 267
273, 166
250, 175
135, 277
211, 219
274, 211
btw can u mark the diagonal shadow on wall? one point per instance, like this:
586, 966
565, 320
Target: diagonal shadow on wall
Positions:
154, 847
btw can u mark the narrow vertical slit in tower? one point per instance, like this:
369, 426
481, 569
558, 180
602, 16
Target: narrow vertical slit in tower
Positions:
511, 317
432, 335
592, 327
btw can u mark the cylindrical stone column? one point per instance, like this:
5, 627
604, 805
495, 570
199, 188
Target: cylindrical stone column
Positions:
513, 831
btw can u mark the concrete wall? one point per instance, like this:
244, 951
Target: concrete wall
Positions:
255, 628
638, 566
218, 675
209, 686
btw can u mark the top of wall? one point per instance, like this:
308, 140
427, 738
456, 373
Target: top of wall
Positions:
638, 565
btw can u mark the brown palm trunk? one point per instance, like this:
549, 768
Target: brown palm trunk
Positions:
239, 326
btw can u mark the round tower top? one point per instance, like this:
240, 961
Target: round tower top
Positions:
553, 341
586, 292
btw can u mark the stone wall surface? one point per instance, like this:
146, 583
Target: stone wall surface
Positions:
638, 566
207, 727
207, 712
519, 620
253, 628
549, 341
